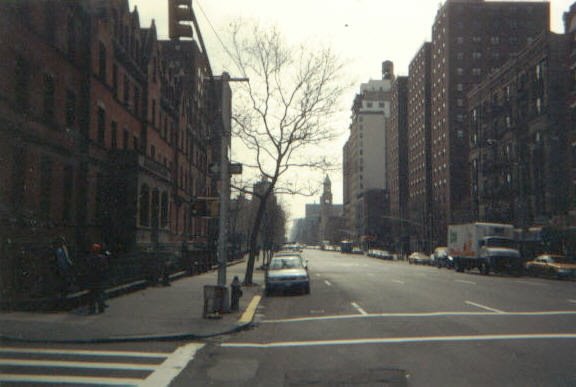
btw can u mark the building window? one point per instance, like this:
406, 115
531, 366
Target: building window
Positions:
67, 190
460, 87
164, 210
114, 135
115, 79
152, 152
102, 62
135, 142
70, 109
101, 126
125, 139
155, 210
460, 71
495, 40
21, 84
460, 40
45, 186
476, 71
48, 97
126, 90
71, 38
154, 113
538, 105
476, 55
144, 205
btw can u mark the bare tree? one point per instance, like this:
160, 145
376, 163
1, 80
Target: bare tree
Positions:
284, 113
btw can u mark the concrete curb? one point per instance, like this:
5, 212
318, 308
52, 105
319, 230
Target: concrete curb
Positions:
245, 321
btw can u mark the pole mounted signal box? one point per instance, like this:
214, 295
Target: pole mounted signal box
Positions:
179, 12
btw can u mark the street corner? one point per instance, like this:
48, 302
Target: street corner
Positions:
247, 317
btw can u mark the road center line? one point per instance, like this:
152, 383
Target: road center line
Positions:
466, 282
399, 282
484, 307
402, 340
327, 282
572, 301
359, 309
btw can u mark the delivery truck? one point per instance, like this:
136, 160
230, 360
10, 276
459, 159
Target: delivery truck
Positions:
488, 247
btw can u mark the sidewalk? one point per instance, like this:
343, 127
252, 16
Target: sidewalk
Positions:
154, 313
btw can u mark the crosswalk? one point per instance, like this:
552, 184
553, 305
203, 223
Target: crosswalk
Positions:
93, 367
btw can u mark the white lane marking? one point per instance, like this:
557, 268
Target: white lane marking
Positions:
399, 282
402, 340
484, 307
359, 309
76, 364
84, 352
318, 275
572, 301
327, 283
62, 379
466, 282
172, 366
529, 283
424, 315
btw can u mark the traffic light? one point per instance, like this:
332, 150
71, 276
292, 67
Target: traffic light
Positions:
179, 11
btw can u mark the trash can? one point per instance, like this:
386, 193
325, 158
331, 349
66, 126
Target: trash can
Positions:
215, 301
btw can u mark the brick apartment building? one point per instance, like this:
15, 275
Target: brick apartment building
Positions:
470, 38
519, 148
106, 132
419, 133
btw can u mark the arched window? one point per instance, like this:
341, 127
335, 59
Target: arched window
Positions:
164, 210
144, 205
155, 208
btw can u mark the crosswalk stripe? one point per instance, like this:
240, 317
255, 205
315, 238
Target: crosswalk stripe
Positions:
77, 364
70, 380
84, 352
173, 365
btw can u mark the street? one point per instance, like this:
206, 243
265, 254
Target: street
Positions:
366, 322
373, 322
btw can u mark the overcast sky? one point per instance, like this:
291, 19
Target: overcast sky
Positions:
363, 32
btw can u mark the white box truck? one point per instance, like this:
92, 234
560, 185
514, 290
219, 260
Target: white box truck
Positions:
488, 247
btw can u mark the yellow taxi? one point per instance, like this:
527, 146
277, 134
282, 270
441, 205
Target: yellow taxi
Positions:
559, 266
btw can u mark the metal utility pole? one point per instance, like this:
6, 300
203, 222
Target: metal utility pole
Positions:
224, 170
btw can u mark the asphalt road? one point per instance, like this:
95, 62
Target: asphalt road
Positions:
372, 322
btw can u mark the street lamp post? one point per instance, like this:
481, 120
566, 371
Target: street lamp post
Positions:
224, 172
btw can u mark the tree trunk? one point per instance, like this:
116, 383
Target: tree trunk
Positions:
253, 240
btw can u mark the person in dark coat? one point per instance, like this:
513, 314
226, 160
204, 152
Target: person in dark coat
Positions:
97, 270
64, 266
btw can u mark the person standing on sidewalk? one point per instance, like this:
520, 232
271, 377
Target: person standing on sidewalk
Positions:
64, 266
97, 269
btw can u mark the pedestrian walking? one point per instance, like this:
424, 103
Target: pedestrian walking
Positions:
97, 270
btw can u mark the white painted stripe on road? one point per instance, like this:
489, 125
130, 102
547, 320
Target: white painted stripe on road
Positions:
424, 315
466, 282
572, 301
63, 379
399, 282
402, 340
175, 363
84, 352
484, 307
529, 283
76, 364
327, 283
359, 309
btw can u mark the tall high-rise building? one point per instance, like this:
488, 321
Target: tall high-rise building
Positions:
419, 171
470, 38
396, 164
364, 160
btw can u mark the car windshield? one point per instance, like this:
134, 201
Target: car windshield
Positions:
285, 263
